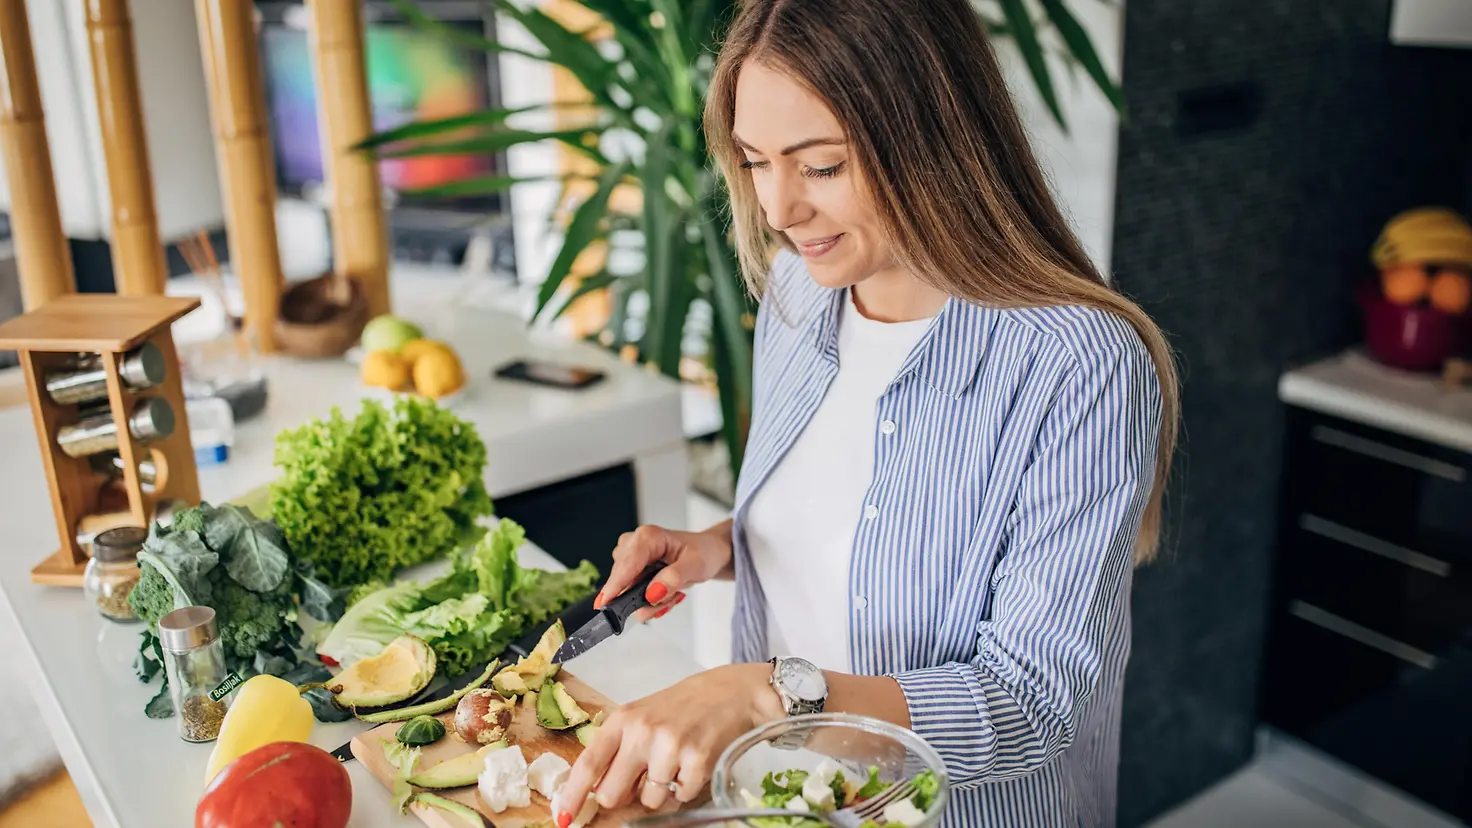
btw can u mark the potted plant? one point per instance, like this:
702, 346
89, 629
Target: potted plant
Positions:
645, 67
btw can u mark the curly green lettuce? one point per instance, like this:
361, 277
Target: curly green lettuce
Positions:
361, 498
470, 614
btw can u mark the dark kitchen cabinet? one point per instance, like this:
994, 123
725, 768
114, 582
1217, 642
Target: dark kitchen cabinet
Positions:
1369, 652
580, 518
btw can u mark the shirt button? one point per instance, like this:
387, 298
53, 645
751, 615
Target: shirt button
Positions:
860, 602
871, 511
887, 427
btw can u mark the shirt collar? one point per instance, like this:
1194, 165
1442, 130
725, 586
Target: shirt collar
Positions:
946, 358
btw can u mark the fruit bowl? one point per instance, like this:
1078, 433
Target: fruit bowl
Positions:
1412, 337
855, 743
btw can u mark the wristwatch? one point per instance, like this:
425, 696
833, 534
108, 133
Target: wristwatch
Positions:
803, 689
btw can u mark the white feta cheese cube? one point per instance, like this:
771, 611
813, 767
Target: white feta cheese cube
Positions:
903, 812
547, 773
502, 783
826, 770
798, 804
752, 800
818, 793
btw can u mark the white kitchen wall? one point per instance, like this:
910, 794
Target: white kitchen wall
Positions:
1081, 161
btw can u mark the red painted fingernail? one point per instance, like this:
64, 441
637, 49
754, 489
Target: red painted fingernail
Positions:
662, 612
679, 596
599, 601
564, 819
656, 592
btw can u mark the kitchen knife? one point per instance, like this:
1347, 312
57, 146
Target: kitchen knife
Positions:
574, 615
610, 620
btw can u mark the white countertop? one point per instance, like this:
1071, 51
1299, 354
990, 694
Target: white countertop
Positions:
133, 772
1354, 387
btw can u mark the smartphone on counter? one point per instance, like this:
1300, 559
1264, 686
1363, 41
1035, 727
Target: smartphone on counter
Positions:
550, 374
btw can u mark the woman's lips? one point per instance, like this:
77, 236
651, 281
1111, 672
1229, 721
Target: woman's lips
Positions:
813, 248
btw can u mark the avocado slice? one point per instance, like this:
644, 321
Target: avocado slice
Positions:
586, 733
536, 668
556, 708
457, 772
548, 645
404, 668
588, 730
430, 708
510, 683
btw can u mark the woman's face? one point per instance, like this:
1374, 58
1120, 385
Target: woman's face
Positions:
801, 169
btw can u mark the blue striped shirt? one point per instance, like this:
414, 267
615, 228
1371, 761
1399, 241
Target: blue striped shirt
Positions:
997, 571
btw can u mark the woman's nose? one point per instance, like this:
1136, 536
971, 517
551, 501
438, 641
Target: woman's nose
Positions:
784, 204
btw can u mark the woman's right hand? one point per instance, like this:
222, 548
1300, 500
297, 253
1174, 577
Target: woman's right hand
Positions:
692, 557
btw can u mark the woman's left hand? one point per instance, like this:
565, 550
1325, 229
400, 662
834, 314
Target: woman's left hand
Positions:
674, 735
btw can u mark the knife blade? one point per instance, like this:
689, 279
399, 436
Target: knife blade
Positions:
610, 620
574, 615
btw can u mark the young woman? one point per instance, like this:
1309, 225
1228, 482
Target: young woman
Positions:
959, 440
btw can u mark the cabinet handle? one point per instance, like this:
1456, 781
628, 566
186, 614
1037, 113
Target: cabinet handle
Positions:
1368, 637
1389, 454
1369, 543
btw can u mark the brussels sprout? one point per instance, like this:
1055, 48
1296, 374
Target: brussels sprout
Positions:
420, 731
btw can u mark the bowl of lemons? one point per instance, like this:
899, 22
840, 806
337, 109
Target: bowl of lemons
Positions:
397, 358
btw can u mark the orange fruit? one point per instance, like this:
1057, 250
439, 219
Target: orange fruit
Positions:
1404, 284
1451, 292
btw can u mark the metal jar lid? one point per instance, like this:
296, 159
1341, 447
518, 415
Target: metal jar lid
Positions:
152, 418
119, 544
144, 367
187, 629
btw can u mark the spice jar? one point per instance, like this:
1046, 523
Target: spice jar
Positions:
113, 571
112, 466
198, 681
86, 381
152, 419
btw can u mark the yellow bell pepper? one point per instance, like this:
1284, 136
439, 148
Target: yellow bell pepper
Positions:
266, 709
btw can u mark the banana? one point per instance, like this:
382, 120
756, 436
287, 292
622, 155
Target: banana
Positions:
1424, 234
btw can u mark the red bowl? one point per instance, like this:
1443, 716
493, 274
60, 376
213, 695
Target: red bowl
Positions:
1410, 337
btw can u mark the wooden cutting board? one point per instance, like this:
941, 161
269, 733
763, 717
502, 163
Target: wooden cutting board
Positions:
533, 739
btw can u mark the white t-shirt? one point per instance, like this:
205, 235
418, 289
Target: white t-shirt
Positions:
800, 524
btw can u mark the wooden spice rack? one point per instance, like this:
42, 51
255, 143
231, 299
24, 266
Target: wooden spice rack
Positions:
49, 339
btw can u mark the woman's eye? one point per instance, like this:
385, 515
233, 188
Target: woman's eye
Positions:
822, 172
755, 165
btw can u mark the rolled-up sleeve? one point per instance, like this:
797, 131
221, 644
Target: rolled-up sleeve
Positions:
1059, 605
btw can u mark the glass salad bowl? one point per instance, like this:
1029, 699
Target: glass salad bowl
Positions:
754, 771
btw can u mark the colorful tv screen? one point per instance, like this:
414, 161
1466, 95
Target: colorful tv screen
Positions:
412, 75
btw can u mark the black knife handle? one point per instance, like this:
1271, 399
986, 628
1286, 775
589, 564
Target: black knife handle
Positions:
632, 599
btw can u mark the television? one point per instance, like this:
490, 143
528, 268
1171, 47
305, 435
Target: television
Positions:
413, 74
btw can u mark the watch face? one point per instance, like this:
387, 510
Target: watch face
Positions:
803, 680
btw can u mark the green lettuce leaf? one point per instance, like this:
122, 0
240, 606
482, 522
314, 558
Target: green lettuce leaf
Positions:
927, 785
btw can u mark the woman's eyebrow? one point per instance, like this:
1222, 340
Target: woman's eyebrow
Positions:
798, 147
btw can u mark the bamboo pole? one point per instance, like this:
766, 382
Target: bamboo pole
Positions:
44, 258
359, 241
247, 172
137, 257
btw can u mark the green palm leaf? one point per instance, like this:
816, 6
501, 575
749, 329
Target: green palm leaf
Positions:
1082, 49
1026, 36
581, 232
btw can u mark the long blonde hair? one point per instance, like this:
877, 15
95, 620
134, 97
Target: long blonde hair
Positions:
945, 159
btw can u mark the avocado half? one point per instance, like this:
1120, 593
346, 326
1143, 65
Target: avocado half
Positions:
531, 672
404, 668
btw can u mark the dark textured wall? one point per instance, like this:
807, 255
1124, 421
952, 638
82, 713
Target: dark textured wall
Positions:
1244, 239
